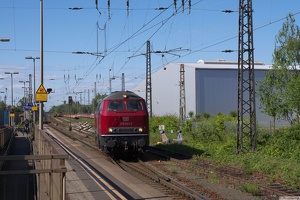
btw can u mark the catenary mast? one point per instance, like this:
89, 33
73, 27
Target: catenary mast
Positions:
246, 127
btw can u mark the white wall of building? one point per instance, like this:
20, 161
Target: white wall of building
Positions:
165, 89
215, 89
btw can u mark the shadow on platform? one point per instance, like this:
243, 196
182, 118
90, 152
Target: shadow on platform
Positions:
18, 186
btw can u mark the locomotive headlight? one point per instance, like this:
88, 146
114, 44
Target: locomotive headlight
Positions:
110, 130
140, 130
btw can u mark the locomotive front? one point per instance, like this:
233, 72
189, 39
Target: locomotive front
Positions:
122, 123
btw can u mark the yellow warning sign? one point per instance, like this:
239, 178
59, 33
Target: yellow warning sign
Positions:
41, 90
34, 108
41, 97
41, 94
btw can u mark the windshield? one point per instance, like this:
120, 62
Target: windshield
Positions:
115, 106
130, 105
134, 105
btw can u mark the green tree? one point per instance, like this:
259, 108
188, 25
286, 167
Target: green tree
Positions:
287, 49
97, 100
77, 108
286, 55
277, 89
292, 96
2, 106
271, 91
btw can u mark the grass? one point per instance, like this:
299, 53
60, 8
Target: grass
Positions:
220, 146
277, 155
173, 170
213, 178
252, 189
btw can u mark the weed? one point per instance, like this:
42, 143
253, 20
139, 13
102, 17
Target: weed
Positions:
277, 152
213, 178
250, 188
173, 170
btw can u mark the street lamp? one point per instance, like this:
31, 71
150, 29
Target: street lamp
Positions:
12, 93
4, 39
24, 100
33, 58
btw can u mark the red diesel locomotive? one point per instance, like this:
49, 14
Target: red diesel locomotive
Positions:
122, 123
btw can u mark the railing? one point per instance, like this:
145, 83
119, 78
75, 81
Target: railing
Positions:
50, 179
52, 183
45, 169
5, 135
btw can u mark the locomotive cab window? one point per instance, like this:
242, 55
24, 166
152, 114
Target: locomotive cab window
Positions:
134, 105
99, 106
115, 106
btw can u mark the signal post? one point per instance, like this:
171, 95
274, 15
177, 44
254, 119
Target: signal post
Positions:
41, 96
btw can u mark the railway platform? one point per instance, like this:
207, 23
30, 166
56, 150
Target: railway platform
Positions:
17, 186
27, 169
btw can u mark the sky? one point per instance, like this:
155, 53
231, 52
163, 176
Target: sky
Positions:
83, 49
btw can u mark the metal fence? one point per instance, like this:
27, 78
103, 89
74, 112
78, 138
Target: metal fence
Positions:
44, 176
52, 183
5, 135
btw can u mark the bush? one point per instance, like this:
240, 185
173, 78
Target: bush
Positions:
277, 152
233, 114
206, 115
171, 122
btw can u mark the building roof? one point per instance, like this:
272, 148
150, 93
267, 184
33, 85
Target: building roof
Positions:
223, 64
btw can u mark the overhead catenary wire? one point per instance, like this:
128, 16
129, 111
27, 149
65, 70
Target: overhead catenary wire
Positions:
117, 46
203, 49
134, 51
140, 46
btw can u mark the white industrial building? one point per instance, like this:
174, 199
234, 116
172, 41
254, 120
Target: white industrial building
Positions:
210, 86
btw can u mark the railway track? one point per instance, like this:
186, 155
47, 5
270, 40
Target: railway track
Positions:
83, 136
167, 185
112, 191
268, 186
172, 187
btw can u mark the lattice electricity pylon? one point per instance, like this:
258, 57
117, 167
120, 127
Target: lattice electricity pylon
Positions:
182, 104
246, 127
148, 80
148, 72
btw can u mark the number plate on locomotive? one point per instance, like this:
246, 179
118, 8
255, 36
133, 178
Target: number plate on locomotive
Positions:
125, 119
